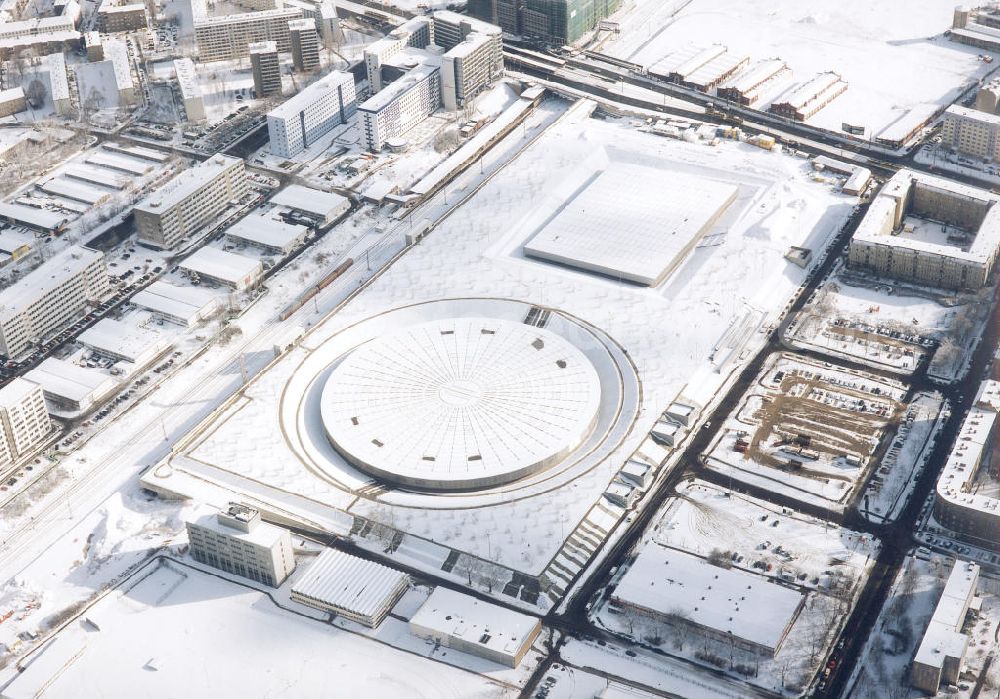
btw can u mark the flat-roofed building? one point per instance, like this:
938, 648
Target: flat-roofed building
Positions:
12, 101
126, 341
71, 388
189, 201
473, 58
725, 604
24, 419
942, 651
55, 66
185, 305
187, 84
265, 68
229, 36
322, 207
297, 124
746, 87
116, 52
971, 132
113, 17
237, 541
811, 96
268, 232
305, 44
400, 106
351, 587
95, 46
229, 269
416, 33
466, 624
929, 230
50, 297
329, 24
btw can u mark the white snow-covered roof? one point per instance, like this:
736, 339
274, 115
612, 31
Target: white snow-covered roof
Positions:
15, 392
810, 90
727, 600
338, 579
185, 184
311, 201
974, 437
37, 218
629, 221
291, 107
114, 161
261, 534
67, 380
461, 402
453, 614
751, 78
267, 230
11, 240
187, 78
224, 266
943, 637
55, 64
183, 303
50, 275
125, 339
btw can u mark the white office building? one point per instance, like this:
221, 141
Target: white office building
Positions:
298, 123
24, 420
237, 541
50, 297
189, 201
401, 106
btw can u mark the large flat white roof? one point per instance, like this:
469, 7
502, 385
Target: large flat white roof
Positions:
124, 338
37, 218
67, 380
267, 230
50, 275
219, 264
14, 393
943, 637
261, 534
457, 615
311, 201
291, 107
184, 303
728, 600
341, 580
973, 439
628, 221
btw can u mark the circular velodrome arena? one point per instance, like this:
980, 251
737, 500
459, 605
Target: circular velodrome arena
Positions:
460, 403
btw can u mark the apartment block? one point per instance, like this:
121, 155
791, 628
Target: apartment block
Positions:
55, 65
24, 420
972, 132
305, 44
401, 106
554, 21
265, 68
189, 201
114, 18
300, 121
50, 297
229, 36
942, 650
187, 83
237, 541
471, 67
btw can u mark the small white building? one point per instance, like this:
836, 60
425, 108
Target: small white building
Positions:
351, 587
184, 305
466, 624
70, 388
322, 207
269, 232
237, 541
125, 340
235, 271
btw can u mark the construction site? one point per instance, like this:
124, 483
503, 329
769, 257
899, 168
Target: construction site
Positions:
809, 428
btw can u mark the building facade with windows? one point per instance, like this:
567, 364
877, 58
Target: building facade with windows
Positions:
237, 541
553, 21
297, 124
305, 44
401, 106
189, 201
265, 68
24, 419
50, 297
227, 37
971, 132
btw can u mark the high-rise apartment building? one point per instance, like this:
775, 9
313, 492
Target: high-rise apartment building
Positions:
265, 68
305, 44
237, 541
401, 106
227, 37
553, 21
300, 121
24, 420
50, 297
972, 132
189, 201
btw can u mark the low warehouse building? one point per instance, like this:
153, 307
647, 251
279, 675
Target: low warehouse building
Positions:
184, 305
235, 271
351, 587
125, 341
464, 623
323, 207
269, 232
70, 388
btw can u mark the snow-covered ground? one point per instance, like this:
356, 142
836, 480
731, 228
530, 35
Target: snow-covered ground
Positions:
160, 635
893, 327
828, 563
808, 429
718, 302
899, 67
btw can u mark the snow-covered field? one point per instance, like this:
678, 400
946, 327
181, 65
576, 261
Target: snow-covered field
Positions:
828, 563
717, 302
808, 429
161, 633
894, 327
899, 67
